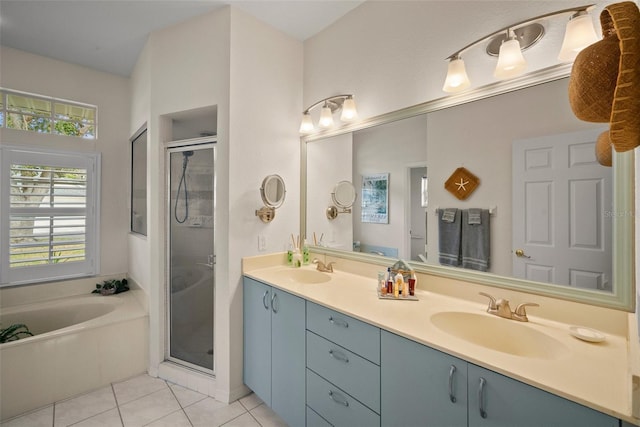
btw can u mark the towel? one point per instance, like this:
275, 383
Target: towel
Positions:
449, 237
474, 217
475, 241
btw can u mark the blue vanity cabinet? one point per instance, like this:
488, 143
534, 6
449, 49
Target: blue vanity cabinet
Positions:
499, 401
421, 386
274, 349
343, 369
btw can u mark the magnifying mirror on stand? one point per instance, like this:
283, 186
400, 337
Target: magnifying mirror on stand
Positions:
344, 196
272, 192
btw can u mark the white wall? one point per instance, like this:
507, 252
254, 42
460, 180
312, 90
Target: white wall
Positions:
330, 162
478, 136
43, 76
265, 107
222, 59
390, 148
391, 54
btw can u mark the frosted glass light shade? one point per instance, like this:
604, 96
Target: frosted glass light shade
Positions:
349, 112
306, 125
578, 35
457, 78
511, 63
326, 117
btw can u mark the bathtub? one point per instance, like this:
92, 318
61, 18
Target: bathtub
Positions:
80, 343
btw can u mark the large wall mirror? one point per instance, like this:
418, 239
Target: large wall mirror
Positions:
533, 158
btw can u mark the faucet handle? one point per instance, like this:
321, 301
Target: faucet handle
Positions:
492, 301
520, 309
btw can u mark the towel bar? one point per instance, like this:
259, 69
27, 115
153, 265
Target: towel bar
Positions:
493, 210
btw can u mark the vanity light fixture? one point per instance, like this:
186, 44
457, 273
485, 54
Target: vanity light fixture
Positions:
509, 42
329, 107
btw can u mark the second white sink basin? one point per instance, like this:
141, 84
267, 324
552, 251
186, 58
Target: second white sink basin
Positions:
496, 333
304, 276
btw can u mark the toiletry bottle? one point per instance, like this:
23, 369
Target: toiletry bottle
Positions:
290, 255
382, 283
297, 258
389, 281
399, 282
305, 252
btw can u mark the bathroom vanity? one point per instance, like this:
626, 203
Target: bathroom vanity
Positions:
321, 349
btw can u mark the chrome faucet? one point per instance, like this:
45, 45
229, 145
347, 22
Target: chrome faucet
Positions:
501, 308
320, 266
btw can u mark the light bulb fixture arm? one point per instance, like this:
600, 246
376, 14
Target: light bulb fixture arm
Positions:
333, 102
515, 26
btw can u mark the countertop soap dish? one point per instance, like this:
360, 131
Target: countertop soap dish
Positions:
587, 334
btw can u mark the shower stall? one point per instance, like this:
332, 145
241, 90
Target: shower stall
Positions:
191, 254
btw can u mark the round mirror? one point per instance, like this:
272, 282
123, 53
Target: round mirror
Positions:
344, 194
273, 191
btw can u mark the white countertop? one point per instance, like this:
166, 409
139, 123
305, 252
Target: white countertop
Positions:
595, 375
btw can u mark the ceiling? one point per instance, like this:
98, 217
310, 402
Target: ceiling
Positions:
108, 35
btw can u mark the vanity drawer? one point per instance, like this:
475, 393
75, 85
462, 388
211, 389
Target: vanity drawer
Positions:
315, 420
352, 334
352, 373
337, 406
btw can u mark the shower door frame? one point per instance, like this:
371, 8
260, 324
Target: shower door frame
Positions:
194, 144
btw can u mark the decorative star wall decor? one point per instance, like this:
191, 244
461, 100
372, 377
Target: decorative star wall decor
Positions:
462, 183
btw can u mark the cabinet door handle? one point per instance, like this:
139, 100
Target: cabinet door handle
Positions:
338, 355
338, 322
273, 306
483, 382
452, 371
338, 398
264, 300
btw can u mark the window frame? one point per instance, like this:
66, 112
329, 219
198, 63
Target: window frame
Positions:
90, 266
138, 181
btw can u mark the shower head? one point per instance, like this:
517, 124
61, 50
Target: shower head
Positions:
187, 153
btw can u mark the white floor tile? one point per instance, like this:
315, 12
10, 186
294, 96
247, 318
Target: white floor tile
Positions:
211, 413
109, 418
79, 408
185, 396
38, 418
266, 417
245, 420
137, 387
149, 408
251, 401
175, 419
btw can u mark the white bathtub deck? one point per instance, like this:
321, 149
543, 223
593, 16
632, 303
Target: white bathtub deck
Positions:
147, 401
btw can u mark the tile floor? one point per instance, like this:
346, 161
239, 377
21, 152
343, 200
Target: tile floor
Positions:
147, 401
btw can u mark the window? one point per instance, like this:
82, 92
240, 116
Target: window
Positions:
49, 204
43, 114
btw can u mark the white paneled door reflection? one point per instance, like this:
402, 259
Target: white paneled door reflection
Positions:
562, 211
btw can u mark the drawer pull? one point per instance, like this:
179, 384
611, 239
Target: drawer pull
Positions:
338, 355
452, 372
338, 322
483, 413
338, 398
264, 300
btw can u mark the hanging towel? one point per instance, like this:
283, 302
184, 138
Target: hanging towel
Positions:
475, 242
474, 217
449, 237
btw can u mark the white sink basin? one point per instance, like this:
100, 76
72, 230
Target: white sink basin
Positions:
496, 333
304, 276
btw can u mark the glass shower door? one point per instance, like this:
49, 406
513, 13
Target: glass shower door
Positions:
191, 255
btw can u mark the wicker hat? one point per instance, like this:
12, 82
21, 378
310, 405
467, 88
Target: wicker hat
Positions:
605, 80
